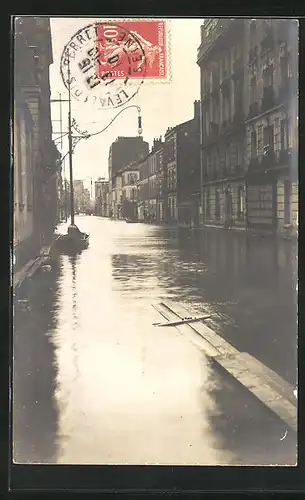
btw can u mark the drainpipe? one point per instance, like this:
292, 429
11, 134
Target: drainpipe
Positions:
201, 217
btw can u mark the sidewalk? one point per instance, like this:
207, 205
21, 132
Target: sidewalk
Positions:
274, 392
31, 267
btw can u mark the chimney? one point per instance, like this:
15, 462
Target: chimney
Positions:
156, 143
197, 110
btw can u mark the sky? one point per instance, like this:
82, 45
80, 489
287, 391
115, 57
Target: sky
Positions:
162, 104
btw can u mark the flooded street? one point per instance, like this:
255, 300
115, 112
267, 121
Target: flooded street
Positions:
95, 382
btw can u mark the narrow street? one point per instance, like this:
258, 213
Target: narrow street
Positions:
96, 382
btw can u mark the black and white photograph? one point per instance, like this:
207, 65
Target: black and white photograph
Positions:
154, 253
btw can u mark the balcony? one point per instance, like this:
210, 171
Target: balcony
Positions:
268, 100
268, 40
252, 55
268, 159
253, 110
211, 31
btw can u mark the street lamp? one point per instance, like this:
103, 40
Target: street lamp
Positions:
75, 139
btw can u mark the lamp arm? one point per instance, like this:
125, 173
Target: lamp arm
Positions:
114, 118
79, 137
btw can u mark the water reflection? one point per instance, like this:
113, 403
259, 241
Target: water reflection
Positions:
35, 414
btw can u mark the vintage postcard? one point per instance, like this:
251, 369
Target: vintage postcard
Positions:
155, 247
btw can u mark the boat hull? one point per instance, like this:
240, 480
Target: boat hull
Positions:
66, 244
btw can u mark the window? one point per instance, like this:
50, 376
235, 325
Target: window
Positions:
217, 204
287, 201
284, 70
289, 132
227, 157
268, 75
208, 206
271, 136
226, 109
252, 33
289, 65
253, 89
266, 136
260, 139
277, 134
240, 202
253, 144
284, 134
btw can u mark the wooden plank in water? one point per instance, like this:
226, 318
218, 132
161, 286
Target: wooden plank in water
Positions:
182, 321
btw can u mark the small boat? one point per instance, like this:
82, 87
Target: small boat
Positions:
131, 221
73, 242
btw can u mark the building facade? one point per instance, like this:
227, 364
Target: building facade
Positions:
130, 178
116, 197
36, 158
221, 60
188, 170
151, 191
249, 124
143, 189
102, 197
170, 178
82, 198
272, 125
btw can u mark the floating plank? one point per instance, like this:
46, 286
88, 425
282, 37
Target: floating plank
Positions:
182, 321
266, 385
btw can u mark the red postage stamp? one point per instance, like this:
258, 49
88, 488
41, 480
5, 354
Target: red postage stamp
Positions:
142, 41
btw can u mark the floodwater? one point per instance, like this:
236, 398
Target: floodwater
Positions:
95, 382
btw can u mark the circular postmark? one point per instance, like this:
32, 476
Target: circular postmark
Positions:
104, 64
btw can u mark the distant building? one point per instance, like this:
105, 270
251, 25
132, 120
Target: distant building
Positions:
82, 202
101, 197
130, 177
121, 153
182, 167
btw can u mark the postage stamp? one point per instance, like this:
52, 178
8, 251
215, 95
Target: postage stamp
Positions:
152, 36
107, 62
